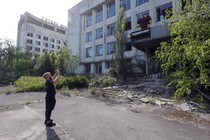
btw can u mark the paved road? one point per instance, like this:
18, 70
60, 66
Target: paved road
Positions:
78, 118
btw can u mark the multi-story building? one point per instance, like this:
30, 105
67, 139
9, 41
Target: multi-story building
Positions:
40, 35
92, 26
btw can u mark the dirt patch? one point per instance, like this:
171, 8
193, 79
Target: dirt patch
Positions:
186, 116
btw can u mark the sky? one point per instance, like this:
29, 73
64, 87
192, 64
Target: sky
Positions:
11, 10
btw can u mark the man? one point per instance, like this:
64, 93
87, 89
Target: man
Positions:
50, 95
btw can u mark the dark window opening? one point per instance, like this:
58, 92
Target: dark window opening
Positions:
165, 11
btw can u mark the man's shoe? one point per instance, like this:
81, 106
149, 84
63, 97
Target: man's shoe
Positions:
49, 120
50, 124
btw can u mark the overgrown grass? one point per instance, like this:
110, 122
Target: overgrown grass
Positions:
28, 83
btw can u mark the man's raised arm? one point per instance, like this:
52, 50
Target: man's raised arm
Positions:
56, 76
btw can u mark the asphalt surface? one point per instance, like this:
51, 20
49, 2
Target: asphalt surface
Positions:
80, 118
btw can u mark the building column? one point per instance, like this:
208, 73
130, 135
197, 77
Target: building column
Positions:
147, 63
103, 66
117, 5
152, 12
92, 68
104, 29
82, 39
93, 33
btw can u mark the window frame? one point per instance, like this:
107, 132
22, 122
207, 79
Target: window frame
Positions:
99, 14
89, 54
128, 24
111, 9
99, 33
110, 49
89, 18
163, 9
111, 29
138, 2
97, 50
126, 4
89, 36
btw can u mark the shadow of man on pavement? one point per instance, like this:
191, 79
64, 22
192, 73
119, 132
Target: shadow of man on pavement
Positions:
51, 134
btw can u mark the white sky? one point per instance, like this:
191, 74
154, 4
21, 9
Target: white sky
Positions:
10, 11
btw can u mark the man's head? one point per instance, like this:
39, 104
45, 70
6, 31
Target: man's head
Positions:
47, 75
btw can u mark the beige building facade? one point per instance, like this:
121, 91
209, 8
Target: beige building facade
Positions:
40, 35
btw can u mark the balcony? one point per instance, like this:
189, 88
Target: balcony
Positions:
150, 37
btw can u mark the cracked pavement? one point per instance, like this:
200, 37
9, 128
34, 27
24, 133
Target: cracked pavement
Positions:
80, 118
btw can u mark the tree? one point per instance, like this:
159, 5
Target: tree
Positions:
73, 63
66, 61
13, 62
44, 64
187, 55
121, 39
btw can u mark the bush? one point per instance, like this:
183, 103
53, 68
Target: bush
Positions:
103, 81
28, 83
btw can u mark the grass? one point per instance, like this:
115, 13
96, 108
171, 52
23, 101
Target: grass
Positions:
29, 83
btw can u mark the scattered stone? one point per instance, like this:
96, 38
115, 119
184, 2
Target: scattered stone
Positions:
135, 96
130, 97
142, 96
186, 107
145, 100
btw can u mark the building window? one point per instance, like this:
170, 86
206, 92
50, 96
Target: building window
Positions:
99, 14
52, 51
52, 40
87, 68
52, 46
128, 47
36, 55
108, 64
111, 29
128, 24
89, 20
110, 48
29, 41
29, 48
89, 52
139, 2
44, 50
37, 49
45, 44
98, 67
38, 36
30, 34
58, 42
141, 15
99, 33
38, 43
58, 47
126, 4
45, 38
111, 9
64, 43
162, 11
99, 50
89, 37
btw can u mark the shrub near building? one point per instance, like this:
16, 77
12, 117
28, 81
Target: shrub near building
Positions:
29, 83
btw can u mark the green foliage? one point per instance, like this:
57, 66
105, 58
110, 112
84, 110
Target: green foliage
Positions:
64, 91
44, 64
13, 62
66, 61
187, 56
121, 39
103, 81
28, 83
